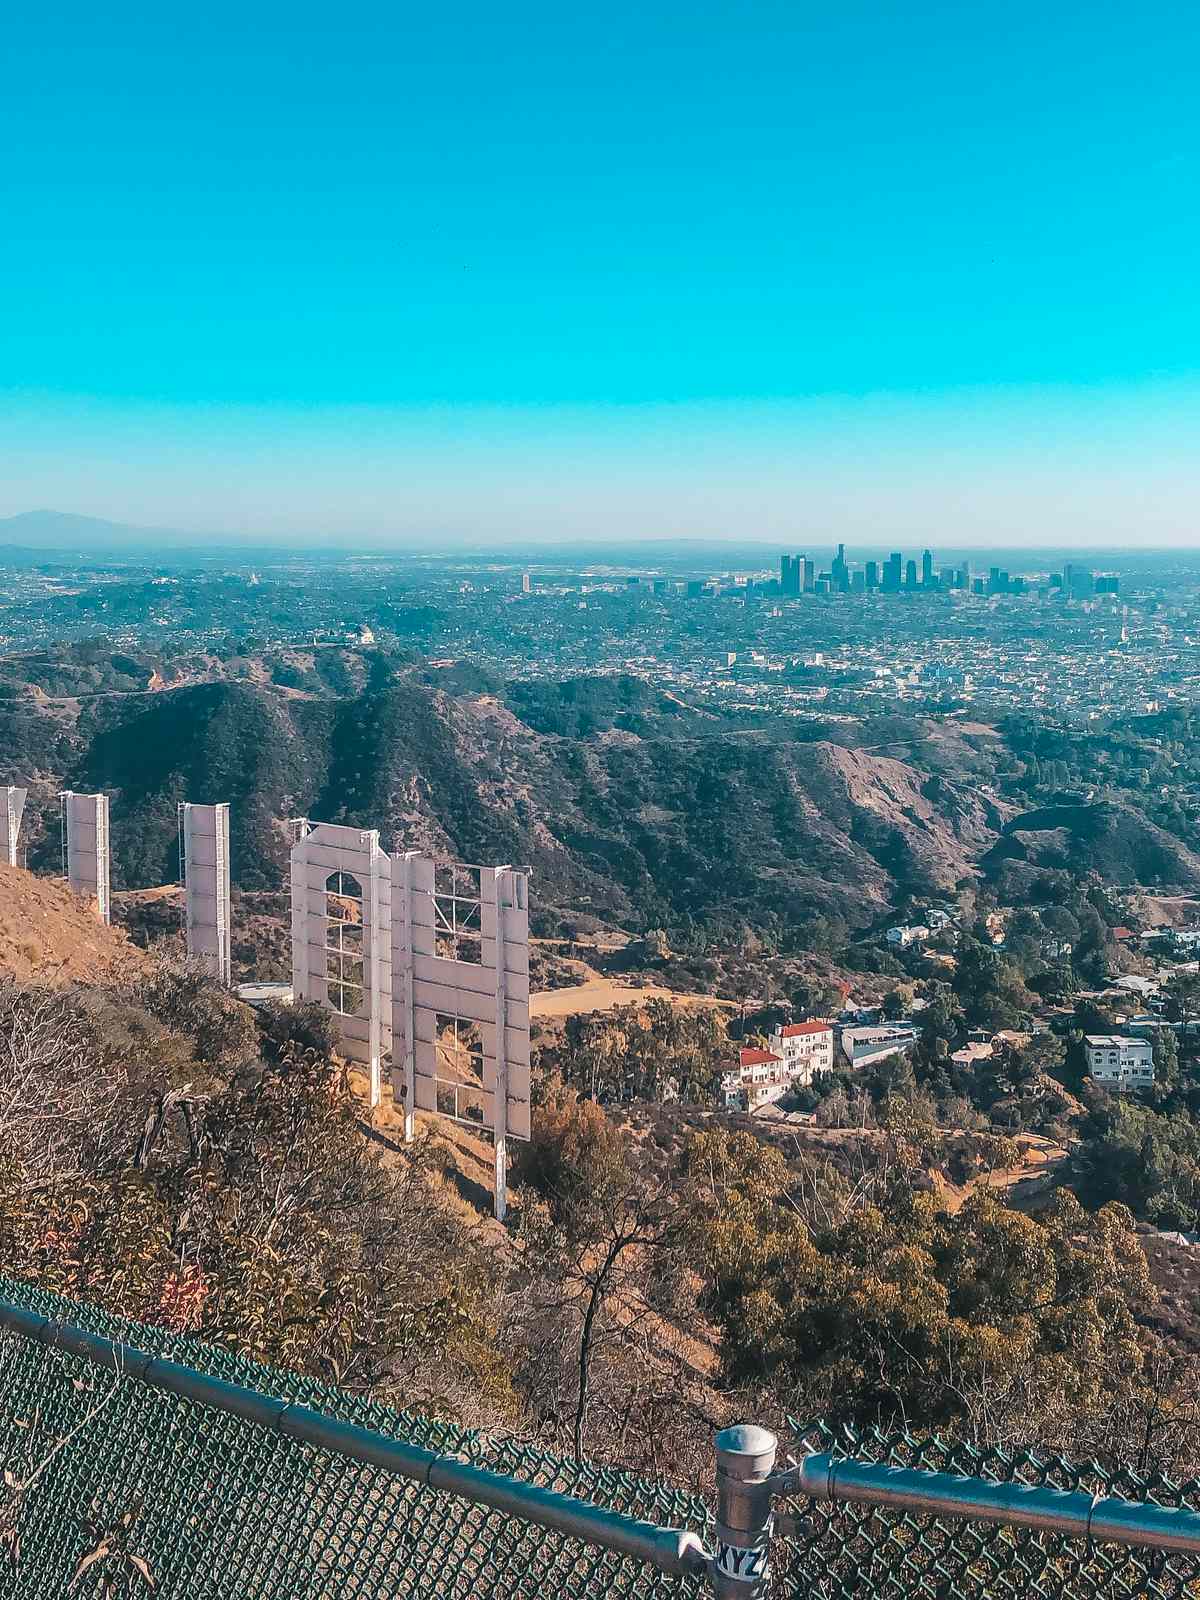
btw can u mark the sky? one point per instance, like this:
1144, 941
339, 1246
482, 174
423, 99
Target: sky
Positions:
469, 272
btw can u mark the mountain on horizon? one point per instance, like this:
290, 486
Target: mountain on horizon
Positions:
58, 531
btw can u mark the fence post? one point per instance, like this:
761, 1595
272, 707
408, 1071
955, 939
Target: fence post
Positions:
745, 1457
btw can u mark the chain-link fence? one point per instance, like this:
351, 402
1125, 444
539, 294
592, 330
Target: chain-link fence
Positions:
114, 1487
861, 1552
111, 1486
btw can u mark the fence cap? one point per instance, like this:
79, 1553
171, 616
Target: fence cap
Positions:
753, 1449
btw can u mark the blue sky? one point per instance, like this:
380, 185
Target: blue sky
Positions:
555, 270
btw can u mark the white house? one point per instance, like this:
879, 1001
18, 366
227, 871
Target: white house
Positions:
758, 1077
901, 938
797, 1052
1117, 1061
806, 1048
1144, 988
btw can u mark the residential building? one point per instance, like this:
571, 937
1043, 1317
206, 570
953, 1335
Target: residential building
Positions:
975, 1050
758, 1077
806, 1048
901, 938
1117, 1061
863, 1047
796, 1053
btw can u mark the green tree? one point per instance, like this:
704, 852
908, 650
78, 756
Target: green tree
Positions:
603, 1221
886, 1306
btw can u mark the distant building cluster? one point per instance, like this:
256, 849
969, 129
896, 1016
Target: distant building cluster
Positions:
800, 575
897, 575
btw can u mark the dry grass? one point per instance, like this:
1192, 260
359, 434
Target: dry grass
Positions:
49, 935
599, 994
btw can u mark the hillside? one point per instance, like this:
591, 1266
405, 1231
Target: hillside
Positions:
1110, 839
49, 935
656, 827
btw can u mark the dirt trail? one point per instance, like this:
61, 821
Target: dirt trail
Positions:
599, 994
1040, 1160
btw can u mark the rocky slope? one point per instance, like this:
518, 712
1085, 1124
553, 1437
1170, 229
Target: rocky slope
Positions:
49, 935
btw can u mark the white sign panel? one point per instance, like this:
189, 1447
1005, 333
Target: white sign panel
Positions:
85, 825
12, 809
460, 1003
205, 831
341, 936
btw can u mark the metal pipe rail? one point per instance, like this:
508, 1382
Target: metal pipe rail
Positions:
747, 1484
671, 1550
1014, 1505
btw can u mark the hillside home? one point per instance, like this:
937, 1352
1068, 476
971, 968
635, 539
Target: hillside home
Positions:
862, 1047
903, 938
805, 1047
975, 1050
1117, 1061
1132, 984
758, 1077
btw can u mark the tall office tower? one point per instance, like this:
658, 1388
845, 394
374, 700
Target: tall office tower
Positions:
1108, 583
1077, 581
994, 581
789, 574
526, 584
872, 574
858, 582
837, 571
891, 573
966, 576
910, 574
808, 574
927, 570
